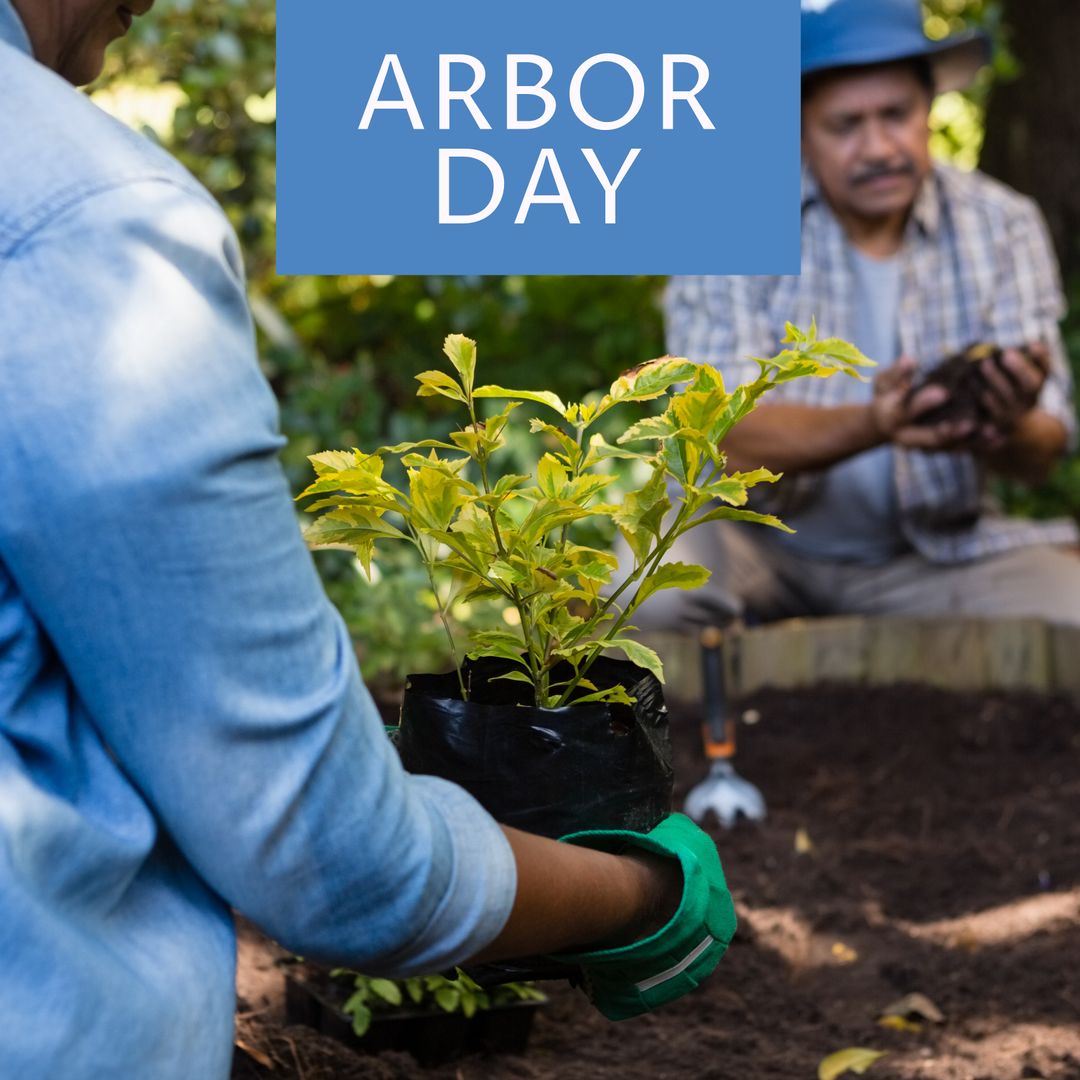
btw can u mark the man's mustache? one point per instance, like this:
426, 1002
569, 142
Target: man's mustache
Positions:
875, 172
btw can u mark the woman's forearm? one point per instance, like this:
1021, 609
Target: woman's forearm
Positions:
569, 897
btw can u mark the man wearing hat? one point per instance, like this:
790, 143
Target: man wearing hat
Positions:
912, 261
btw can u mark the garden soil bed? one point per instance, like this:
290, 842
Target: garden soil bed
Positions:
918, 841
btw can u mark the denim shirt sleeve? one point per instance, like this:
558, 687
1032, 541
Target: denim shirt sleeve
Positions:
149, 527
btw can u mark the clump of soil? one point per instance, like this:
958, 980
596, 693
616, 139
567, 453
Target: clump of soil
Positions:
961, 375
917, 841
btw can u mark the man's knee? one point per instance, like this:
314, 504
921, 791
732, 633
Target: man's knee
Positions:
1032, 582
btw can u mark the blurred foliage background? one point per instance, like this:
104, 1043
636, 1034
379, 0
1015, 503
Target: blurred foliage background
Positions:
199, 77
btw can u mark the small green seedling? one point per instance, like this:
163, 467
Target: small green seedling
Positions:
461, 994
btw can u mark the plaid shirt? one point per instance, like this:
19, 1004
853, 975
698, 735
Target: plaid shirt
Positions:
976, 265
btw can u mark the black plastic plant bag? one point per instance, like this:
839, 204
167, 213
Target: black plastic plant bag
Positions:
548, 771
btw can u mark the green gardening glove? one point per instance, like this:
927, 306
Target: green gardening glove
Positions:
634, 979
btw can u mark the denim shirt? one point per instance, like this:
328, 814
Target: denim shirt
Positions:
183, 728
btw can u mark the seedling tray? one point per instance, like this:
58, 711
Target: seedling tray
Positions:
432, 1037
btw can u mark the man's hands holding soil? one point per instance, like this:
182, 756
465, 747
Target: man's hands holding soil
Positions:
1008, 390
896, 411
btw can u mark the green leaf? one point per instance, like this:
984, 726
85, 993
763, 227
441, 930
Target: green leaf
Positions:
731, 513
424, 444
639, 541
642, 514
700, 410
652, 427
638, 654
464, 979
414, 987
349, 527
674, 575
361, 1021
497, 643
728, 488
549, 514
601, 450
513, 676
844, 351
468, 440
478, 590
461, 352
544, 580
582, 413
590, 563
820, 359
708, 378
651, 379
386, 989
362, 478
613, 695
331, 461
757, 476
583, 488
435, 498
451, 468
504, 491
487, 639
492, 429
567, 442
509, 482
543, 397
447, 998
551, 476
508, 573
854, 1059
343, 502
793, 335
594, 571
438, 384
360, 1013
472, 560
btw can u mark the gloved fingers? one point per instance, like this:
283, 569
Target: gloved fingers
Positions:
631, 979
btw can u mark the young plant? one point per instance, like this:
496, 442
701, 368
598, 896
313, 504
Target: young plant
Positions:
511, 537
461, 994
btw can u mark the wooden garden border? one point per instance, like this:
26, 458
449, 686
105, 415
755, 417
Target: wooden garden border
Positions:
951, 653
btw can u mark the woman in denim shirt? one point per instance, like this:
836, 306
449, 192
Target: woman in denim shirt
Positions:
183, 728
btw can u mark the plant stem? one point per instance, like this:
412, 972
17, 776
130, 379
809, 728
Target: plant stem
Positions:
535, 667
575, 473
663, 546
443, 617
663, 543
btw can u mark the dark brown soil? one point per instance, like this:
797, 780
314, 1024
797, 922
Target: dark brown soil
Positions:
940, 839
961, 375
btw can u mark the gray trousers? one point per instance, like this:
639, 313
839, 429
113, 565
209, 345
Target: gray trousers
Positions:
753, 576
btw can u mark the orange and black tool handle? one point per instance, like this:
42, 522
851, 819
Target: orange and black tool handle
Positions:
718, 730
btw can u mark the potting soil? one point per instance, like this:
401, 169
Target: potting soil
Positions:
917, 842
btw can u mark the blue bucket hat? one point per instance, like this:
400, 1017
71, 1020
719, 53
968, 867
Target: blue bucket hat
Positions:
848, 33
